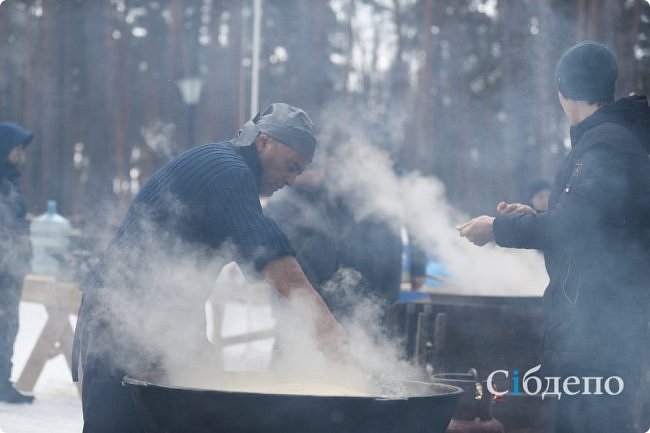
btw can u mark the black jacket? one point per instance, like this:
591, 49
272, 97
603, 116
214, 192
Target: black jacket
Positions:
15, 247
305, 215
596, 242
322, 226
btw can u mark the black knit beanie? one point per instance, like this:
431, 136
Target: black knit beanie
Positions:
587, 72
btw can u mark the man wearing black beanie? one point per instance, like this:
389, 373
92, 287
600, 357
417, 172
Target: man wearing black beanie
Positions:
596, 243
587, 72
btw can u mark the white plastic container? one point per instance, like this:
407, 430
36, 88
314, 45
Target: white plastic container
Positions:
50, 239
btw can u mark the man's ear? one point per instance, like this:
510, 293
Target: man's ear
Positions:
262, 142
259, 143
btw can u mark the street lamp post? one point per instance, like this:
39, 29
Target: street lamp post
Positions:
190, 88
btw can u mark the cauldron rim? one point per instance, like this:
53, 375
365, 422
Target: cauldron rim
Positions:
451, 390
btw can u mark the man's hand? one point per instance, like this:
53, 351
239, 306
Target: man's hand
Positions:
478, 230
287, 277
332, 338
505, 208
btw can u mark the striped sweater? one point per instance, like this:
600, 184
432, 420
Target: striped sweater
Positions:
205, 200
148, 292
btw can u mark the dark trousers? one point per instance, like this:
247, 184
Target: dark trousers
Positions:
107, 405
10, 292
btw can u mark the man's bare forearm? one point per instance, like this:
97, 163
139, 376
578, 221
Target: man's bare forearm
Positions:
288, 278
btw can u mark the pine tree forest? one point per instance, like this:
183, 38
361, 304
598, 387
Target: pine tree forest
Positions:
462, 90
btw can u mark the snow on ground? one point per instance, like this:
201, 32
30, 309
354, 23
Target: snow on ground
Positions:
57, 407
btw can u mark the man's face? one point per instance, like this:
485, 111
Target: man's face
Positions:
280, 164
17, 155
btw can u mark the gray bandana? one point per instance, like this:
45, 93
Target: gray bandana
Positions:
285, 123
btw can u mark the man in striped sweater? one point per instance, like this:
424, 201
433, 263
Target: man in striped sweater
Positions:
197, 212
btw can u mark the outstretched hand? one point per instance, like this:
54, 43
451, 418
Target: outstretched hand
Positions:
505, 208
477, 230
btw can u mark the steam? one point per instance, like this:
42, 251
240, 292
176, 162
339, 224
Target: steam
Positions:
158, 137
372, 362
163, 319
173, 329
371, 365
366, 176
158, 321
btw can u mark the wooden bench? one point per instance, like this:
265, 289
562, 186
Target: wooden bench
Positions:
60, 300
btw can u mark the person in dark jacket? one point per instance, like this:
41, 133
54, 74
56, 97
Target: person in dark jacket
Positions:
143, 306
596, 243
330, 242
15, 250
304, 213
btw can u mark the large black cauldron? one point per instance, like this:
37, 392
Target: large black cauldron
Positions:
172, 409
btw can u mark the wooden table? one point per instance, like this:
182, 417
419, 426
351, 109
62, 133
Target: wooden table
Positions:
60, 299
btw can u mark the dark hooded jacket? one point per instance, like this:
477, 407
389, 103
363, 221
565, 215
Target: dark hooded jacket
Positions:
596, 243
328, 238
15, 247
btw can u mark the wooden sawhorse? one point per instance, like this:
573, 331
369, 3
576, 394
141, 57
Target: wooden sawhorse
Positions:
60, 299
